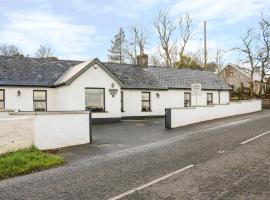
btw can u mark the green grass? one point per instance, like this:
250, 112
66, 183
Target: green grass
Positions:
26, 161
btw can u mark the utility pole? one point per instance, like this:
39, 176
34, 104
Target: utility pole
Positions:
205, 46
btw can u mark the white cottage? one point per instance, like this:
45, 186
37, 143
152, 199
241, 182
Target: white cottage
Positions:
112, 91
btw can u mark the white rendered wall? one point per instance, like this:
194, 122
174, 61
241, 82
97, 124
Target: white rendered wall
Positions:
167, 99
24, 102
61, 130
185, 116
58, 129
16, 133
72, 97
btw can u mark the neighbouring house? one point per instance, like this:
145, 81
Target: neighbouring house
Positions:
237, 77
112, 91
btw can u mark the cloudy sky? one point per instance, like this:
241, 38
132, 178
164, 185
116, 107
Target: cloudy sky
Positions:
82, 29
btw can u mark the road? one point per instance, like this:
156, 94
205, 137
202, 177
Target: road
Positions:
219, 162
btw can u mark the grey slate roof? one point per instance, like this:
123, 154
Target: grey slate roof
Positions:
134, 76
32, 71
163, 77
44, 72
183, 78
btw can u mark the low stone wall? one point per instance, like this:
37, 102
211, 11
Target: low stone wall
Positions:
184, 116
16, 133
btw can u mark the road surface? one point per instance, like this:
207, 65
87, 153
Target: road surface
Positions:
227, 161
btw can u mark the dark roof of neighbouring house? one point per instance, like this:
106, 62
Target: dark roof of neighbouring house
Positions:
17, 71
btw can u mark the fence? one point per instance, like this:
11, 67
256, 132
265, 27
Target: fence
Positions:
45, 130
176, 117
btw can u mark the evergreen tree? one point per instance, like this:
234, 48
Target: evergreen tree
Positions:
116, 52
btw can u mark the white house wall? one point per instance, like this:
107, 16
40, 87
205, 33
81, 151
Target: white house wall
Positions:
72, 97
166, 99
24, 102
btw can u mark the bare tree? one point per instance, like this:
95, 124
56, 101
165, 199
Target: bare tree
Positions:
220, 57
248, 50
138, 40
156, 59
9, 50
165, 28
44, 52
186, 30
263, 47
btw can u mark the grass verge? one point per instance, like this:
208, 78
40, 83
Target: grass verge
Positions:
26, 161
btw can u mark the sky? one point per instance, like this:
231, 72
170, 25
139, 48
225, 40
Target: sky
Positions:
83, 29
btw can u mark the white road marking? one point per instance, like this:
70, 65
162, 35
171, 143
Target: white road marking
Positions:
255, 137
150, 183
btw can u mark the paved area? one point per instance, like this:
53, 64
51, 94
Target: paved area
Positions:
223, 167
113, 137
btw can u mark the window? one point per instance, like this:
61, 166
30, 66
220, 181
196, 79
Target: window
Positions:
146, 104
40, 100
95, 99
209, 98
187, 99
122, 101
2, 99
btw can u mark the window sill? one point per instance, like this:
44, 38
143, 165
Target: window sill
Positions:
99, 111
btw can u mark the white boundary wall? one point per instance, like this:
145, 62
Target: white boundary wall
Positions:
185, 116
61, 130
17, 133
45, 130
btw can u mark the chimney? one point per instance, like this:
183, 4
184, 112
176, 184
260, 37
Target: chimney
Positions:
142, 59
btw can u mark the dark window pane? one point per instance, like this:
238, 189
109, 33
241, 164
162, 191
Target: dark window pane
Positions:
187, 96
187, 99
2, 105
122, 101
1, 95
40, 100
209, 98
40, 106
145, 96
146, 105
94, 99
39, 95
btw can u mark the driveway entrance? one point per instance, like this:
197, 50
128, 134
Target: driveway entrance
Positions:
112, 137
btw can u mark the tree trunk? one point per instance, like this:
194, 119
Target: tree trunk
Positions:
251, 89
261, 84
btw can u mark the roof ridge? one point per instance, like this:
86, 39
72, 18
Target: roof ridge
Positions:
25, 57
153, 66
